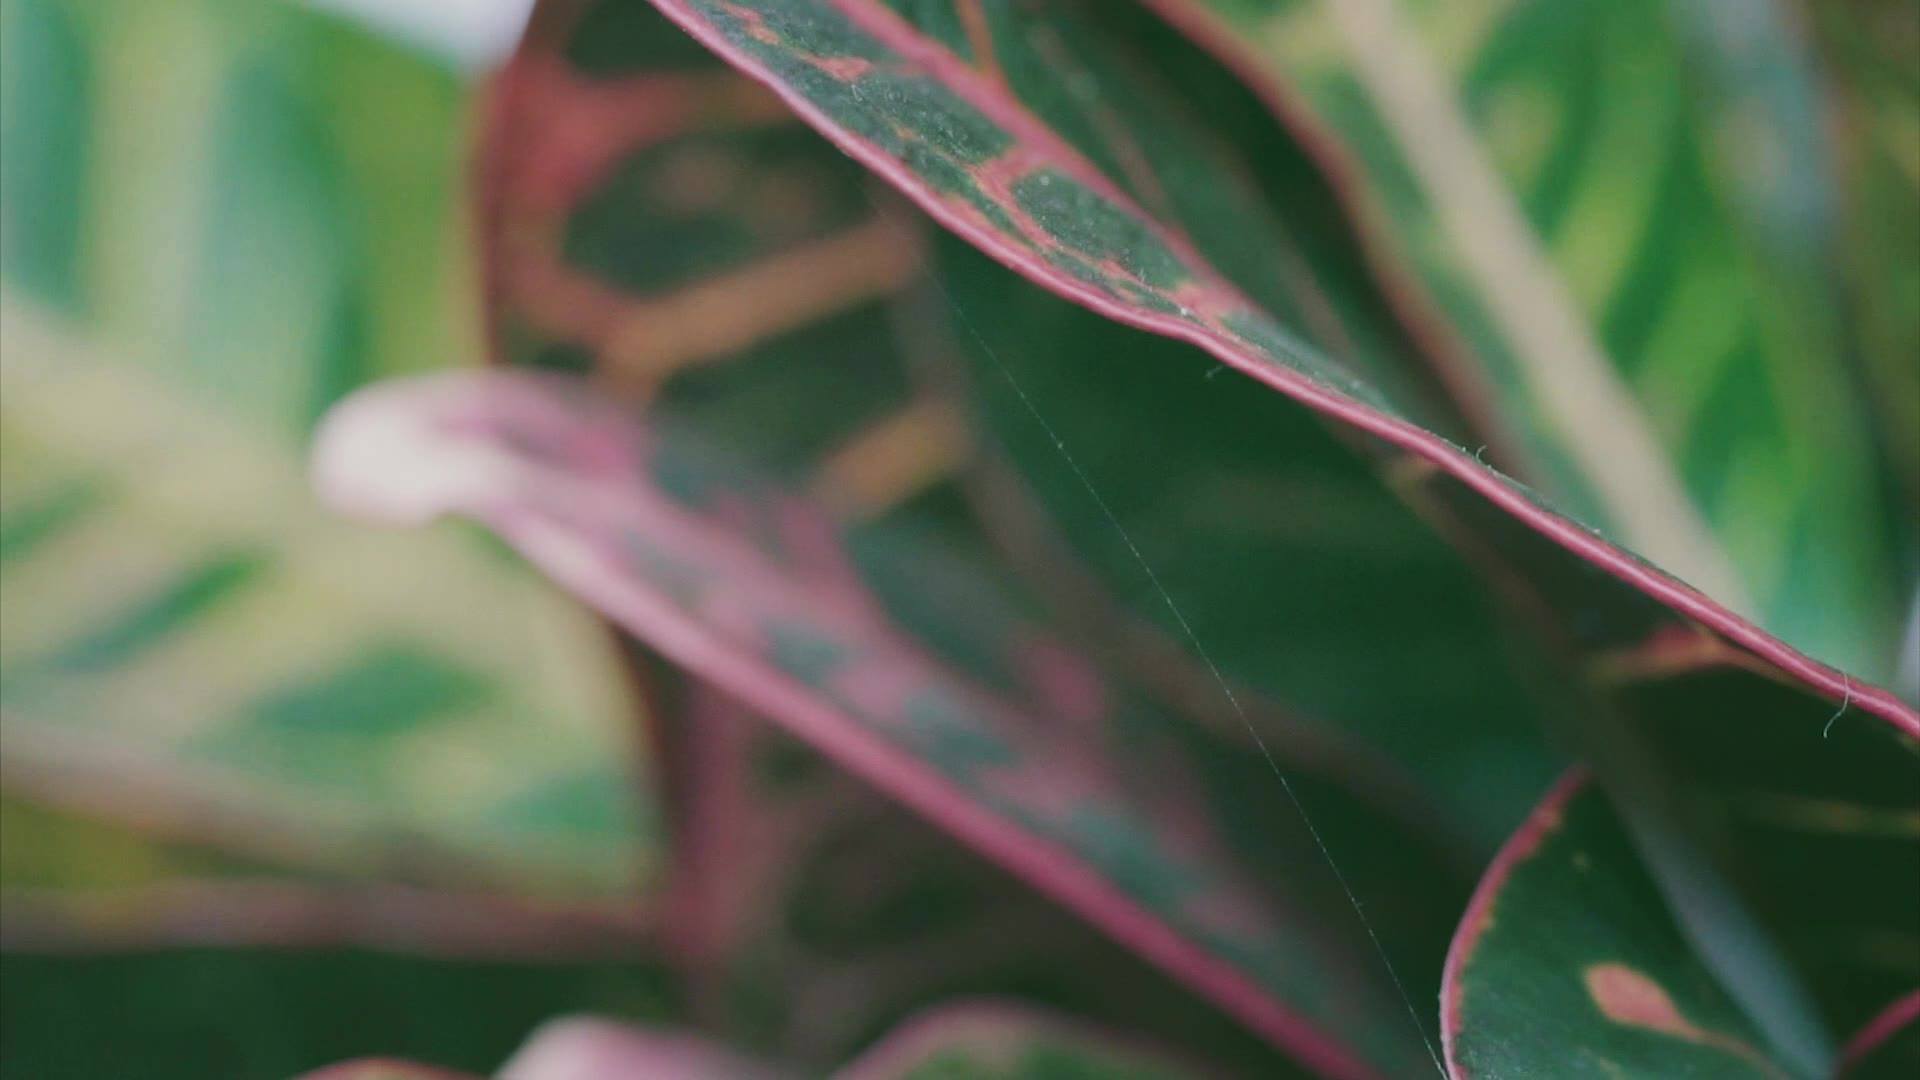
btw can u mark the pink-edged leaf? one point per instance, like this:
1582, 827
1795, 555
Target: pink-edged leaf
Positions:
1569, 962
1889, 1045
750, 589
992, 1040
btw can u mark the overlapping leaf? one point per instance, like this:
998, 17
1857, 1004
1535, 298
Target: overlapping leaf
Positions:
170, 687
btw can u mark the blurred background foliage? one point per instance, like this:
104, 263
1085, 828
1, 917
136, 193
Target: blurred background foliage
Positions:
216, 218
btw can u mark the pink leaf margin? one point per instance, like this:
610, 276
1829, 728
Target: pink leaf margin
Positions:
1520, 847
1895, 1018
888, 28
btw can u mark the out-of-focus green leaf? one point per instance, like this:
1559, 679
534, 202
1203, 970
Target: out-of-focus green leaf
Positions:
45, 847
271, 679
1868, 51
218, 217
1569, 963
1625, 212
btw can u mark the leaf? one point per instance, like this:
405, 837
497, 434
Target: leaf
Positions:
1568, 961
165, 683
747, 586
1625, 213
47, 848
662, 227
995, 1041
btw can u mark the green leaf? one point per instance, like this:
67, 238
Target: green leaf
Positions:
1570, 963
240, 212
267, 679
1626, 212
